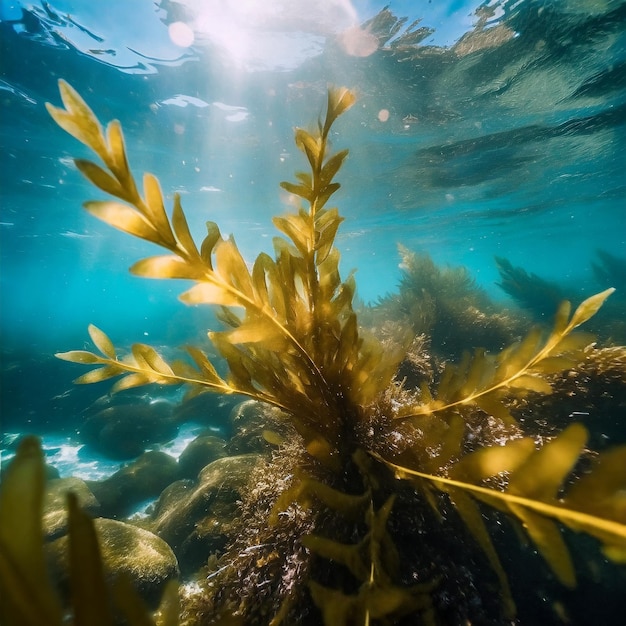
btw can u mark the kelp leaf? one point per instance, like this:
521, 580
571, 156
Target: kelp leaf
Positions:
156, 210
561, 318
118, 161
491, 404
152, 358
87, 583
588, 308
517, 365
556, 364
531, 497
130, 381
79, 356
231, 266
514, 359
299, 190
351, 506
309, 145
547, 537
332, 166
325, 195
78, 120
348, 555
169, 610
166, 266
340, 99
211, 293
327, 234
336, 607
296, 229
240, 374
181, 228
100, 178
531, 383
209, 242
98, 375
542, 474
209, 372
27, 596
602, 492
571, 345
487, 462
260, 330
268, 288
471, 515
123, 218
101, 341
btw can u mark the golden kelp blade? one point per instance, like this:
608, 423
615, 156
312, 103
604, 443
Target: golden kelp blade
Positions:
27, 596
518, 369
295, 306
532, 495
89, 592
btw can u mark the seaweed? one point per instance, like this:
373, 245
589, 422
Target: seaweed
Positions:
539, 297
293, 341
530, 291
447, 306
297, 344
609, 269
29, 597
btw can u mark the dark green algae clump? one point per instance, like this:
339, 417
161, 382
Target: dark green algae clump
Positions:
375, 473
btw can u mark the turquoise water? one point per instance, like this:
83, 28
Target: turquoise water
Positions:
486, 129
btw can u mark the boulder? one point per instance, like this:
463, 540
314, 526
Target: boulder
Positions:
124, 431
195, 517
200, 452
135, 483
54, 519
248, 421
126, 550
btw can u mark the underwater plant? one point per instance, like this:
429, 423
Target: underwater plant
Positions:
447, 306
293, 341
539, 297
531, 291
29, 597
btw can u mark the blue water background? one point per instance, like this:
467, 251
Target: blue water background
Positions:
510, 144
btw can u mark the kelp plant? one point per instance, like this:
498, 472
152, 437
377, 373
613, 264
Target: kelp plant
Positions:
292, 340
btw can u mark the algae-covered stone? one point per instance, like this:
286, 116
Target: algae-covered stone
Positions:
249, 421
54, 519
124, 431
200, 452
126, 550
137, 482
195, 518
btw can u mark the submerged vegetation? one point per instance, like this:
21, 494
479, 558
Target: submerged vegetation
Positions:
375, 478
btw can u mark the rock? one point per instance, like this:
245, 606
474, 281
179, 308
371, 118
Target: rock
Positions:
54, 519
209, 409
248, 421
200, 452
143, 557
124, 431
136, 482
195, 518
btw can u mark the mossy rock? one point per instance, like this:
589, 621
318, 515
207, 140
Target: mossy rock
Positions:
195, 518
54, 519
124, 431
250, 421
126, 550
144, 478
203, 450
